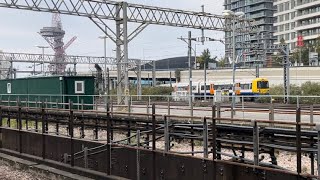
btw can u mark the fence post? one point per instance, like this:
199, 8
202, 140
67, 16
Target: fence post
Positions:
96, 133
271, 113
43, 131
19, 114
78, 102
205, 137
19, 124
318, 153
298, 141
108, 139
311, 156
71, 134
214, 138
65, 158
166, 134
232, 110
129, 132
27, 116
129, 105
96, 102
148, 106
111, 106
0, 116
36, 122
255, 137
46, 122
219, 111
9, 118
138, 155
169, 108
1, 124
85, 157
311, 115
153, 141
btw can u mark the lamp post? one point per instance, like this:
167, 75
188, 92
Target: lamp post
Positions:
42, 64
105, 60
233, 16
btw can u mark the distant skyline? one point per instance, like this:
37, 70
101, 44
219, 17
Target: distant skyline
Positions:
18, 33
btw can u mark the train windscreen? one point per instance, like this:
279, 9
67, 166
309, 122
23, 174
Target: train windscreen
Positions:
263, 84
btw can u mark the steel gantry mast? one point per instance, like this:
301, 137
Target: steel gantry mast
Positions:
122, 13
69, 59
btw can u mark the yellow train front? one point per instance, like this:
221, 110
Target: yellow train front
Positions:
260, 86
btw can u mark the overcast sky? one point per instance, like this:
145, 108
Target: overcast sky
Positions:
18, 33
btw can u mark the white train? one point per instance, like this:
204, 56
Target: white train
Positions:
255, 87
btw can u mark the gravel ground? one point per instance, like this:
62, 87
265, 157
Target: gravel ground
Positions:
8, 172
286, 160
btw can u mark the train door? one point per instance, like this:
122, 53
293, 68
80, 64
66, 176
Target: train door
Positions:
211, 89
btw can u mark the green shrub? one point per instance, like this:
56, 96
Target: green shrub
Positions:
159, 92
306, 89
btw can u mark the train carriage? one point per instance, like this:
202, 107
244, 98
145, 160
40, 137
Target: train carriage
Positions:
249, 88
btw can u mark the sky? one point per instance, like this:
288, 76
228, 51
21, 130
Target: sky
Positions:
18, 33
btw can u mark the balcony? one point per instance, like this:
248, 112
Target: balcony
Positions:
304, 2
253, 2
307, 15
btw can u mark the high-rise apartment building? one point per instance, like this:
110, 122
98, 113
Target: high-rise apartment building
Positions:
297, 17
262, 12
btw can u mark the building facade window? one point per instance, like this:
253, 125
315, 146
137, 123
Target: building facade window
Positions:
79, 87
9, 88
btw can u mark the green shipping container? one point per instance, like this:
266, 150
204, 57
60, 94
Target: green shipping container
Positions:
54, 89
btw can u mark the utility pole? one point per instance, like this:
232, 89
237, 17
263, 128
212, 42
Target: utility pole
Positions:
195, 56
205, 79
234, 15
202, 30
139, 92
286, 74
233, 65
108, 85
105, 60
190, 74
257, 71
42, 64
154, 74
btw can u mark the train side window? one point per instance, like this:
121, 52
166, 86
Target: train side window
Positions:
202, 87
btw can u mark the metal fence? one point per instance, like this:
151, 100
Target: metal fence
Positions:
208, 137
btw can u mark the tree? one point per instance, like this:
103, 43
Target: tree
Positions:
205, 57
222, 62
305, 51
178, 75
278, 59
304, 55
